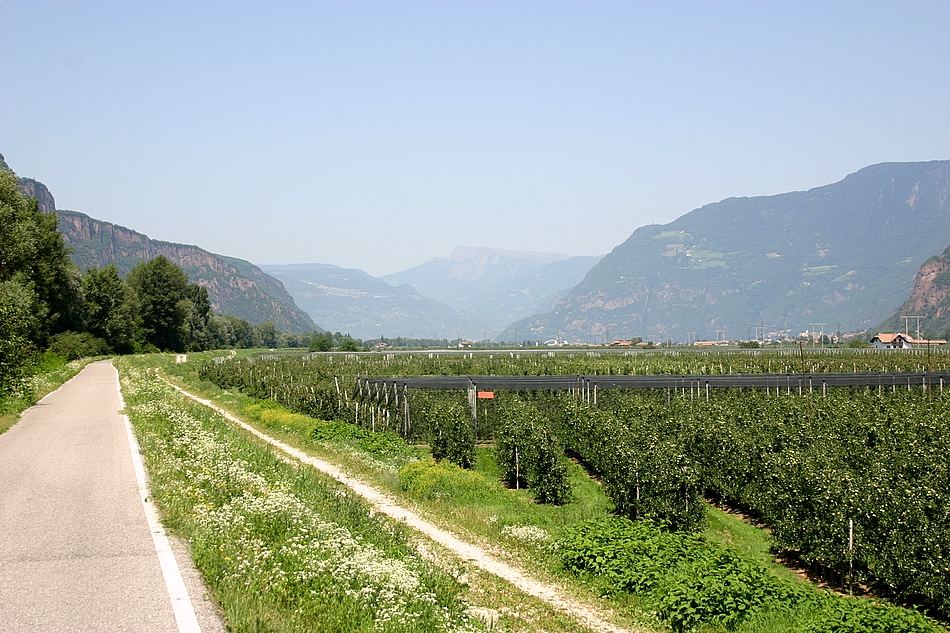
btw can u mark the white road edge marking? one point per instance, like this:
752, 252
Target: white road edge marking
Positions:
185, 617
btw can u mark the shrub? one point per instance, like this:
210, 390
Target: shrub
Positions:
73, 345
695, 583
530, 454
441, 480
451, 435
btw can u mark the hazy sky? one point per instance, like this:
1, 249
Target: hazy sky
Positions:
377, 135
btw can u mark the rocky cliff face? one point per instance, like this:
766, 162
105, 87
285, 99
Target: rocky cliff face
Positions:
931, 291
929, 298
38, 191
33, 189
235, 287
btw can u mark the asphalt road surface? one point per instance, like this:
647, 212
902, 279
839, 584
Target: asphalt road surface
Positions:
76, 549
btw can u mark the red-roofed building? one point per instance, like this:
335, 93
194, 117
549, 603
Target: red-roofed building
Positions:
899, 340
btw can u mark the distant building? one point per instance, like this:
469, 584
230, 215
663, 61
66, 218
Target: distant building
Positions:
899, 340
465, 344
621, 342
381, 345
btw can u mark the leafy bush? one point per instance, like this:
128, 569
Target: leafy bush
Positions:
695, 583
73, 345
451, 434
646, 472
16, 323
862, 616
716, 587
379, 444
530, 454
441, 480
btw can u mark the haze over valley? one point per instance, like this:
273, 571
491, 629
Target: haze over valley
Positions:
782, 263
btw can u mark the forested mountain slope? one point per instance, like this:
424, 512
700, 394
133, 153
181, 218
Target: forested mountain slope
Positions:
845, 252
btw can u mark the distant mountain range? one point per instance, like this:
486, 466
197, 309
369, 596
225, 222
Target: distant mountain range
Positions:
842, 253
235, 287
473, 293
495, 287
351, 300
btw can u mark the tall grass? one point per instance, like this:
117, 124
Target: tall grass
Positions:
281, 547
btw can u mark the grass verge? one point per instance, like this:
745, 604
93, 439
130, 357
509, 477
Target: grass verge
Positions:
281, 547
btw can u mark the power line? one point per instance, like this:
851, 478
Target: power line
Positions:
907, 318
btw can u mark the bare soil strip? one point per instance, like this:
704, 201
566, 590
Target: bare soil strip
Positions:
583, 613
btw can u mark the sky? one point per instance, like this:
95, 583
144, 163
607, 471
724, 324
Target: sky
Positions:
380, 134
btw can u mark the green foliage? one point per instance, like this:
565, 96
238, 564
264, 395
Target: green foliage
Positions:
176, 315
111, 312
804, 464
812, 465
17, 321
530, 454
267, 334
321, 342
452, 436
441, 480
73, 345
55, 280
379, 444
863, 616
44, 300
647, 473
196, 331
161, 287
327, 341
695, 583
283, 548
33, 253
349, 344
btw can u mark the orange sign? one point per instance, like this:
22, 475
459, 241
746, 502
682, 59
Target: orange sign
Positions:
486, 395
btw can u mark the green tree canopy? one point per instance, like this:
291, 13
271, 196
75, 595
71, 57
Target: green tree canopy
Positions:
160, 287
111, 310
16, 322
197, 332
33, 254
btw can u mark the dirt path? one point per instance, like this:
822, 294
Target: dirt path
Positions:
581, 612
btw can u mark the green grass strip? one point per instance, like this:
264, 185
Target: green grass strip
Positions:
281, 547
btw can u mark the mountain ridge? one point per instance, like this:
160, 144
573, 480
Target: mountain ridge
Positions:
842, 251
351, 299
235, 287
496, 286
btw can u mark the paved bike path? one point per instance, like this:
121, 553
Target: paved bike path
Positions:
76, 549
